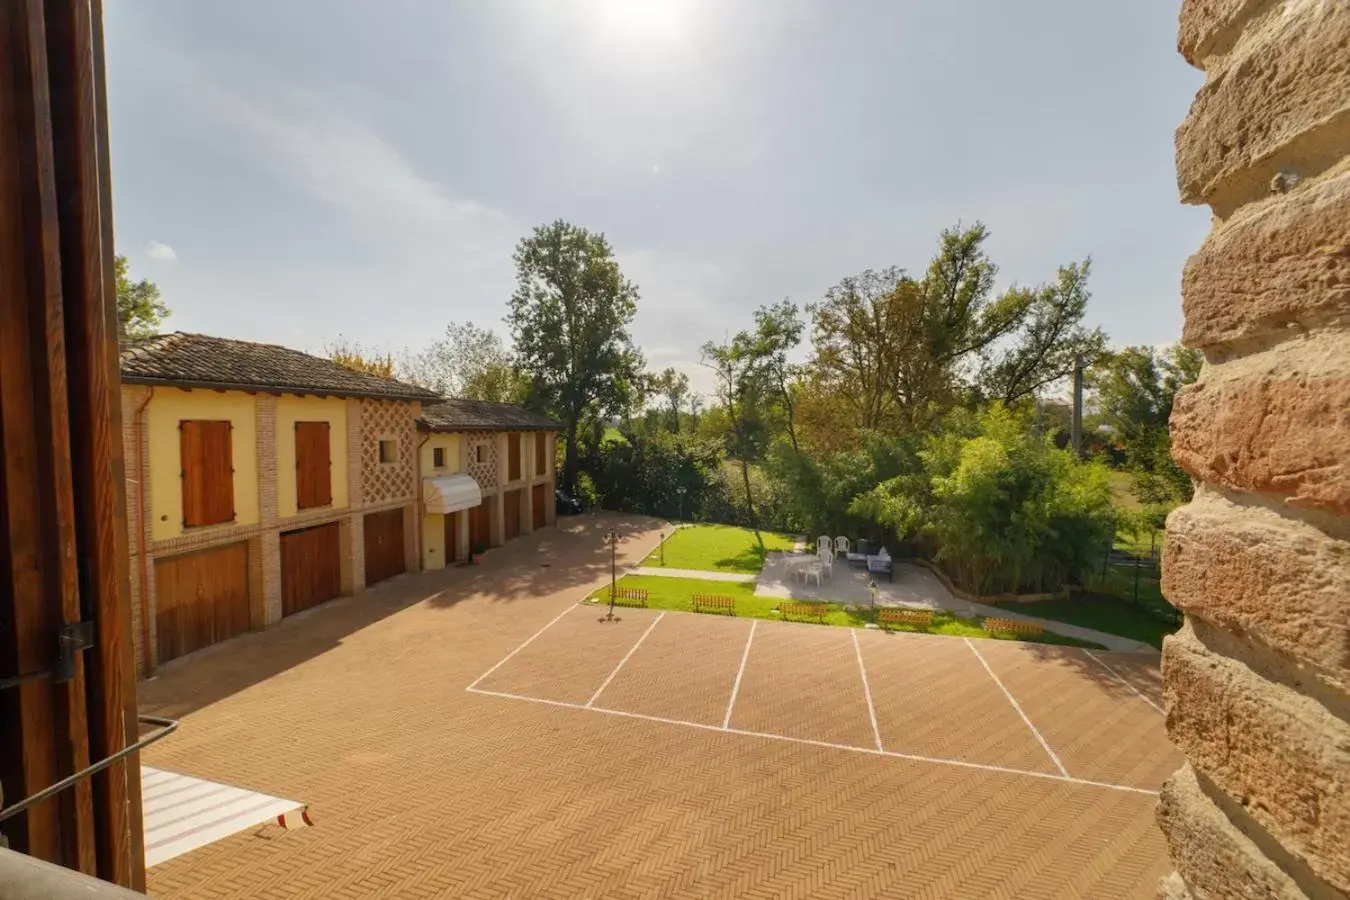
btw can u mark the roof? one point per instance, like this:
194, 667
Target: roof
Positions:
458, 414
198, 360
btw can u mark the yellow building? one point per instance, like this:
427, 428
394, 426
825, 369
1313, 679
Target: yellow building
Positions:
260, 482
487, 474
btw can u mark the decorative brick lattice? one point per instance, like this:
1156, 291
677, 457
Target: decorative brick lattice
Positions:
484, 472
385, 420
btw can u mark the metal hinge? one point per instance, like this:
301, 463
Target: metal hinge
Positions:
70, 640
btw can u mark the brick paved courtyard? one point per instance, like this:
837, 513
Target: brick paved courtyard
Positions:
665, 755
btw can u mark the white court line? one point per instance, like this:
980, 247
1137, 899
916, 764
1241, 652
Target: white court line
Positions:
501, 662
1099, 661
701, 726
1013, 701
867, 690
736, 688
630, 652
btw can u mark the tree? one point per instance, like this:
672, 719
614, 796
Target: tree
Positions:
469, 362
1050, 340
351, 355
673, 386
778, 330
737, 366
139, 308
570, 316
1134, 390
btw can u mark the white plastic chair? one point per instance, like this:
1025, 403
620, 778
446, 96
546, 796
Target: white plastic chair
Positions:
827, 562
841, 545
811, 571
824, 543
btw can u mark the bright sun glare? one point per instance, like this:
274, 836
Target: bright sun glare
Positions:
643, 21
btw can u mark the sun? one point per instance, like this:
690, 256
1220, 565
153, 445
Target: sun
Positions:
642, 21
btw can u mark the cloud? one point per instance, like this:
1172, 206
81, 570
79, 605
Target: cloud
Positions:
156, 250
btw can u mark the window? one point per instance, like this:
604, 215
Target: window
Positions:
313, 465
438, 457
513, 457
388, 451
540, 449
480, 453
207, 461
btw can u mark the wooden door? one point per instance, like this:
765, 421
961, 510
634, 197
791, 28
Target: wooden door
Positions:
451, 537
480, 527
384, 545
311, 567
511, 512
200, 599
539, 512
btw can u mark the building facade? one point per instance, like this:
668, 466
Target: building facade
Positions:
261, 481
488, 476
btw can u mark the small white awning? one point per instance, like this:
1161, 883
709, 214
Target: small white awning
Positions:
450, 493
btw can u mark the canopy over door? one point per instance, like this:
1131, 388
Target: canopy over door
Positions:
450, 493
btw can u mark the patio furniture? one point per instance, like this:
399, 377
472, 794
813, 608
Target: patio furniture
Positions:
797, 563
824, 542
714, 603
841, 545
918, 618
815, 611
827, 562
881, 565
1013, 626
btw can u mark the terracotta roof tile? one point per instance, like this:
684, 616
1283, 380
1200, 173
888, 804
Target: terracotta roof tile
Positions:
199, 360
458, 414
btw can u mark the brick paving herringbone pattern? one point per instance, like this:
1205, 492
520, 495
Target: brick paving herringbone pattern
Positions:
422, 790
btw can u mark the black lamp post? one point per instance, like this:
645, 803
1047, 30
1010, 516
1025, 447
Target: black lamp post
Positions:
612, 538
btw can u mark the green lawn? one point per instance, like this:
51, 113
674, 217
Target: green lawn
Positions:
719, 548
1101, 613
675, 593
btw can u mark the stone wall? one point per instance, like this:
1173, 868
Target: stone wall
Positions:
1257, 682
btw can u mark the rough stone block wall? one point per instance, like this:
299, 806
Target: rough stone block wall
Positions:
1257, 683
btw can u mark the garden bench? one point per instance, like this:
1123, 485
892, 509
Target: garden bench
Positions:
1014, 626
627, 596
815, 611
714, 603
919, 618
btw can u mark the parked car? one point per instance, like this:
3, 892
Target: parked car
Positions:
568, 506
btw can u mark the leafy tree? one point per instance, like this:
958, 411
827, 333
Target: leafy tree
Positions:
469, 362
1004, 508
139, 307
1050, 340
778, 330
570, 316
673, 386
1134, 390
737, 366
351, 355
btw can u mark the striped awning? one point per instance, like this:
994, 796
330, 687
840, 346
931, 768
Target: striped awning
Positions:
450, 493
183, 813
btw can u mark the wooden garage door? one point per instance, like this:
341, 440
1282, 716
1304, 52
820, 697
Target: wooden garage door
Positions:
384, 545
480, 528
311, 567
200, 599
451, 537
511, 512
539, 512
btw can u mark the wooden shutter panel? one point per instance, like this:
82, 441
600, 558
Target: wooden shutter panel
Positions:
540, 442
313, 465
208, 472
513, 456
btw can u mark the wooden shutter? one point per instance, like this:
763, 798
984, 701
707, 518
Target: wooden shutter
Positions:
513, 456
208, 472
313, 465
540, 443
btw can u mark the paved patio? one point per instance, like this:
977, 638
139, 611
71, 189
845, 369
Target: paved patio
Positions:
667, 755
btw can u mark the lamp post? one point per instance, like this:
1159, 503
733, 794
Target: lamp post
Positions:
662, 547
612, 538
872, 590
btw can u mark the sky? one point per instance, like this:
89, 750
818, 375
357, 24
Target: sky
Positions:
294, 172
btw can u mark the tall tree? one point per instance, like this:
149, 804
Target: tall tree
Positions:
139, 307
467, 361
673, 386
1049, 341
737, 367
778, 331
570, 316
